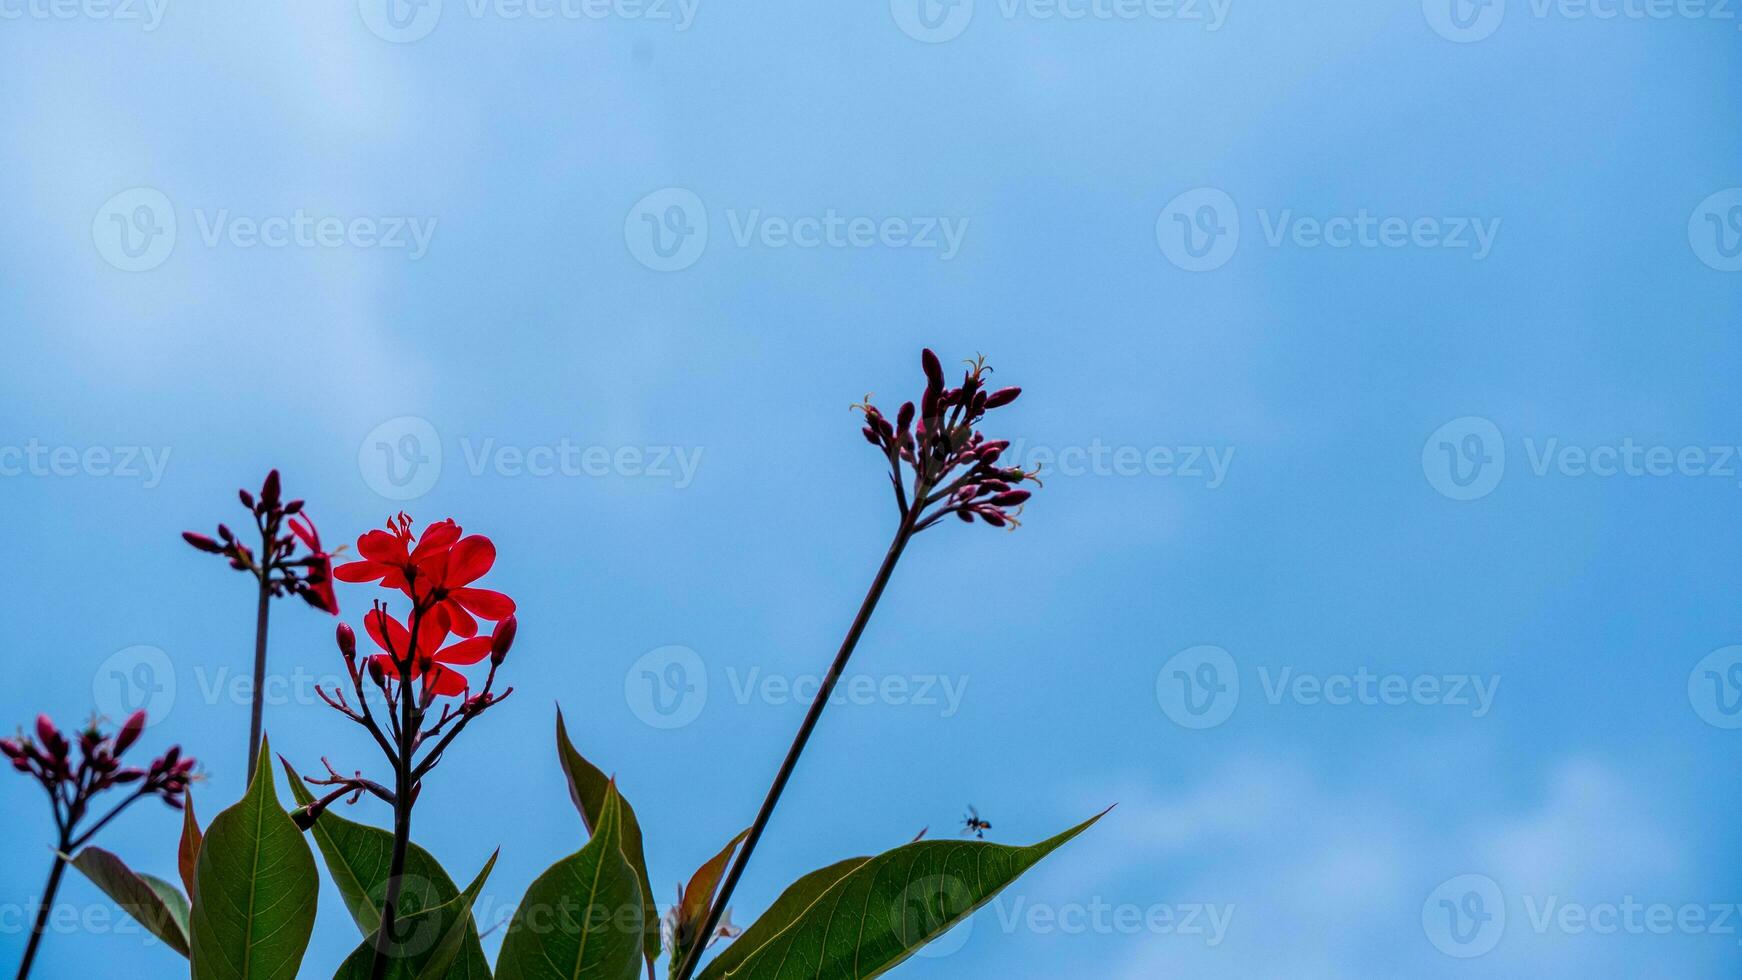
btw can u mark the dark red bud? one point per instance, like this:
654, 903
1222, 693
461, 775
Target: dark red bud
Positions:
502, 639
246, 498
992, 517
202, 542
1011, 498
934, 371
129, 732
347, 641
269, 490
377, 675
45, 731
294, 507
871, 436
904, 417
224, 532
1002, 397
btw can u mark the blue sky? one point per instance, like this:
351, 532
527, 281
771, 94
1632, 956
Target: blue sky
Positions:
1453, 413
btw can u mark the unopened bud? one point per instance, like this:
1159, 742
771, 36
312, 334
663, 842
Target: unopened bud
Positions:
934, 371
246, 498
501, 640
129, 732
269, 490
347, 641
202, 542
376, 675
1002, 397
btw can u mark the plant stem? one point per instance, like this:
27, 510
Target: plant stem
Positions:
404, 780
48, 894
259, 675
718, 908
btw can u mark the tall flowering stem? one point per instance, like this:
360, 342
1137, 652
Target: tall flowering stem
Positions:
71, 787
415, 673
279, 568
939, 465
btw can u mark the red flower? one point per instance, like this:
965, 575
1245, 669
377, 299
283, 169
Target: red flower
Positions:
434, 571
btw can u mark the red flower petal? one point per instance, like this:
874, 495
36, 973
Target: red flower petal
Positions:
484, 603
436, 537
469, 560
359, 571
388, 633
460, 621
447, 683
381, 546
466, 651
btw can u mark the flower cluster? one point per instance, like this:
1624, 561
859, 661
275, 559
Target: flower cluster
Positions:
415, 663
281, 569
954, 466
71, 786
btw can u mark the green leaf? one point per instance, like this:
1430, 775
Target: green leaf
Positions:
584, 916
152, 902
255, 889
587, 787
877, 914
799, 895
358, 857
431, 940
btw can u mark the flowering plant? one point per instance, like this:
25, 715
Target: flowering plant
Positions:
439, 640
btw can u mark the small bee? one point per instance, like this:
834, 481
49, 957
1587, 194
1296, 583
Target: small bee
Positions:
974, 825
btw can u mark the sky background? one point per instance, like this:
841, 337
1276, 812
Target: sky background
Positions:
1407, 423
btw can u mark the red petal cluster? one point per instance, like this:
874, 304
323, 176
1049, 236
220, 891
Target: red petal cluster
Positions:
436, 571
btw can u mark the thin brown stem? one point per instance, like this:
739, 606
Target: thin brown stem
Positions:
48, 894
869, 605
259, 675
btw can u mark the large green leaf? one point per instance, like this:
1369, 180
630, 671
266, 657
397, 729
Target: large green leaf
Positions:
877, 914
430, 940
584, 916
359, 857
255, 889
152, 902
587, 787
799, 895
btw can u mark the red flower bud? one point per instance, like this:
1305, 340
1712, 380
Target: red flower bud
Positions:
347, 641
46, 732
202, 542
502, 639
1002, 397
376, 675
934, 371
1011, 498
269, 490
246, 498
129, 732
